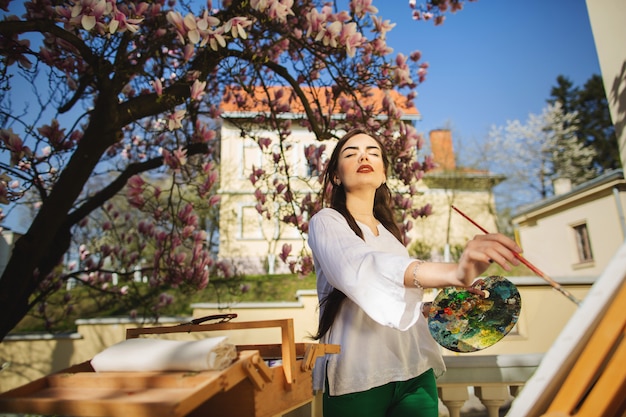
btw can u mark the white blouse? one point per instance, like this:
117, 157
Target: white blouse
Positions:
383, 334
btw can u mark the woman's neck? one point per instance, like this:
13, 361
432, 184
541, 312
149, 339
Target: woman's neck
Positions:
361, 206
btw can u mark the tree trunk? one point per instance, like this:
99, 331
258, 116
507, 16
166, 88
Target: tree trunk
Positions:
37, 252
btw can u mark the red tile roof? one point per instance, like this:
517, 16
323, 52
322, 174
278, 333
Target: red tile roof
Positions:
236, 100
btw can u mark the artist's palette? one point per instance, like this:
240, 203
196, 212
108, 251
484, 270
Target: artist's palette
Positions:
462, 321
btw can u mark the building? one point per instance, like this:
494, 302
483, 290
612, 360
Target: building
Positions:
576, 232
253, 243
248, 239
444, 233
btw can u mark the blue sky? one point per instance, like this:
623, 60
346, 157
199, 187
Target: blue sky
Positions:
494, 61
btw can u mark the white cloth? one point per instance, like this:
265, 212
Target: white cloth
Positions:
136, 355
383, 334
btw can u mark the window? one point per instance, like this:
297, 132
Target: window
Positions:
250, 223
582, 243
251, 156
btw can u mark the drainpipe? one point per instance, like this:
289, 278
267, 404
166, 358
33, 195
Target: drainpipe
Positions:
620, 211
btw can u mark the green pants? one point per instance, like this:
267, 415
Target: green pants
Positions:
416, 397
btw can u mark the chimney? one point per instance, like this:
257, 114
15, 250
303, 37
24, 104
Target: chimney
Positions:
562, 186
442, 149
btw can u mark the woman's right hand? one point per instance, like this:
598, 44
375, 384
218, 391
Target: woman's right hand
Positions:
484, 250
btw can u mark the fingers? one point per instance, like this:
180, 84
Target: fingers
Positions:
476, 291
494, 247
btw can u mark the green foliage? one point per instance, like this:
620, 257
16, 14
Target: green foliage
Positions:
420, 250
259, 288
456, 251
594, 127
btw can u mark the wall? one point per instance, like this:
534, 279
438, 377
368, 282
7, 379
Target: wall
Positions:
251, 239
548, 239
607, 24
544, 313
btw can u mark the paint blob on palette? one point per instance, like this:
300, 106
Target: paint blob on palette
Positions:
462, 321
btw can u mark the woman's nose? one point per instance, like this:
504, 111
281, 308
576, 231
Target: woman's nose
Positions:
363, 156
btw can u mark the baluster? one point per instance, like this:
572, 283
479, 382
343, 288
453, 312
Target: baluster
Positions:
453, 398
493, 397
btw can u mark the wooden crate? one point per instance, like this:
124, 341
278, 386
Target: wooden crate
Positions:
249, 387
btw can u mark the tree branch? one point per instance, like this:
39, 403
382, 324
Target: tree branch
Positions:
118, 184
13, 27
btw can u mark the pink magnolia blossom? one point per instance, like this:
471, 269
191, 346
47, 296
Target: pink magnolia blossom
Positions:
158, 86
284, 253
15, 144
176, 19
265, 142
279, 10
379, 47
207, 21
89, 12
329, 34
351, 38
188, 52
260, 196
193, 32
53, 133
197, 90
181, 155
382, 27
236, 26
260, 5
306, 265
215, 39
134, 191
14, 54
415, 56
174, 120
361, 7
175, 159
214, 200
185, 212
120, 23
316, 21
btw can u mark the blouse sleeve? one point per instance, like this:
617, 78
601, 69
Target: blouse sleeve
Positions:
373, 279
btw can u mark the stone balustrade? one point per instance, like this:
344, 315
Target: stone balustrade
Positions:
492, 379
473, 386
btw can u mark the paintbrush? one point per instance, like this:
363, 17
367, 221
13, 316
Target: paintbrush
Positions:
532, 267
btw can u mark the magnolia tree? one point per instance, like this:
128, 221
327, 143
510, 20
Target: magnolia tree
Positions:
123, 89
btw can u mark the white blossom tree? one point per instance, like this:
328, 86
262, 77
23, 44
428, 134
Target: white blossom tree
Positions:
534, 154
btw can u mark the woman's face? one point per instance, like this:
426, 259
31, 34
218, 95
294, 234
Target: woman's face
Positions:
360, 164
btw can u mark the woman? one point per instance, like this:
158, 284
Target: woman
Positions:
371, 291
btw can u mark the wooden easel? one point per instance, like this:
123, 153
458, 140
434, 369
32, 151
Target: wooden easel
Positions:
247, 388
596, 385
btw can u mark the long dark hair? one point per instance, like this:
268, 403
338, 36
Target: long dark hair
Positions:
334, 196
